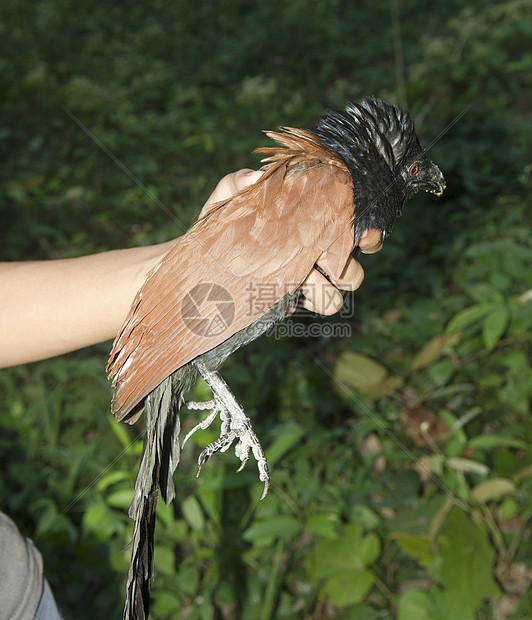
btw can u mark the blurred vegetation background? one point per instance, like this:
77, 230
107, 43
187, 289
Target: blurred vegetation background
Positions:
401, 456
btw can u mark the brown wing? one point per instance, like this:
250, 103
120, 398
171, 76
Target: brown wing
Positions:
265, 239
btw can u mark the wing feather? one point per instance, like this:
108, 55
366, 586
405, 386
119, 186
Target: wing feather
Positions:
271, 234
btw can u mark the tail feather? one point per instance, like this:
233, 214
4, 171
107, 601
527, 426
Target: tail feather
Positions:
297, 143
159, 460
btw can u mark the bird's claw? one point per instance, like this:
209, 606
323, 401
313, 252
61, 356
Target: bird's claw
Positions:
235, 426
206, 422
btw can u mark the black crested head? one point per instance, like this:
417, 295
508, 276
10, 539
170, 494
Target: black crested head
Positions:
378, 143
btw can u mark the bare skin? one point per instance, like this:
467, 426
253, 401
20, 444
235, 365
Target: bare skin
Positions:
53, 307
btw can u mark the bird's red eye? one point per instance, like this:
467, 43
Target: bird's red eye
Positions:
414, 168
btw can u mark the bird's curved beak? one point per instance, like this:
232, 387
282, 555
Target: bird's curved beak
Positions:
437, 183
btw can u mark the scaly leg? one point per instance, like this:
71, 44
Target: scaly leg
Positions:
235, 425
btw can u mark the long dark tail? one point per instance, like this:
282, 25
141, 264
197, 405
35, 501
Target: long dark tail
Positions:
159, 460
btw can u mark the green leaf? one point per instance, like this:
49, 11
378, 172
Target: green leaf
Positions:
193, 514
468, 316
418, 546
467, 562
100, 521
361, 611
119, 429
278, 527
349, 587
441, 371
358, 370
486, 442
415, 605
484, 293
94, 516
165, 603
211, 496
364, 515
501, 247
50, 520
165, 513
494, 326
467, 465
369, 548
189, 580
495, 488
120, 499
289, 436
359, 373
164, 560
343, 553
509, 508
111, 478
340, 565
323, 525
433, 350
447, 605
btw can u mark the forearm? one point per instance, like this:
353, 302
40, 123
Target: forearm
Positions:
53, 307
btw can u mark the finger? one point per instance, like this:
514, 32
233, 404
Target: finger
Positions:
245, 177
230, 185
320, 295
352, 276
371, 241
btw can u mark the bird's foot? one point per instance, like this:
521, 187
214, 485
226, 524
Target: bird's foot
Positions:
235, 426
238, 428
213, 405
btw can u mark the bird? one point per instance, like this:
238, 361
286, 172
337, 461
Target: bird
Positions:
321, 189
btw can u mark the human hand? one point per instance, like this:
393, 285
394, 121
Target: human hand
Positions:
229, 185
322, 295
319, 294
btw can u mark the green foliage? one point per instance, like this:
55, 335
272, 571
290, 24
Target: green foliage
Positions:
461, 567
400, 456
340, 565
